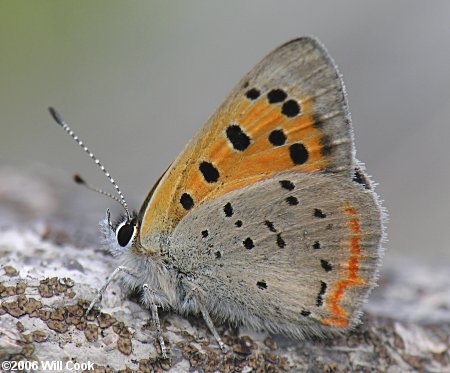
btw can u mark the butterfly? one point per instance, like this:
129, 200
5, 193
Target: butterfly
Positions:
265, 219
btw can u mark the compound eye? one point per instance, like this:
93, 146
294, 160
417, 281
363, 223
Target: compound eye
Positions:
125, 233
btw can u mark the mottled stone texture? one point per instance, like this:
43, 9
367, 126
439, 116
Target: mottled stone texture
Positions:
47, 281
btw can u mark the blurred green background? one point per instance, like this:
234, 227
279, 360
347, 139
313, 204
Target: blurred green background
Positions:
136, 79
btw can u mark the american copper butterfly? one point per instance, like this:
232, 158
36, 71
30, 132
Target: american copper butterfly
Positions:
266, 219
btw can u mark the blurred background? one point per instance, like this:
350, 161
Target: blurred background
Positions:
137, 79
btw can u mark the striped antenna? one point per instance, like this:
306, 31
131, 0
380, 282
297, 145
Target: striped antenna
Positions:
58, 119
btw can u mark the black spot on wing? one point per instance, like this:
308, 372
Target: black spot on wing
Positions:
248, 243
209, 172
280, 242
322, 291
316, 245
238, 139
252, 94
326, 265
319, 214
238, 223
262, 285
305, 313
205, 233
186, 201
277, 138
292, 201
286, 184
290, 108
298, 153
228, 210
276, 95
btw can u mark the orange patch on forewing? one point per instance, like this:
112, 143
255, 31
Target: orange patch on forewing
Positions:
237, 169
340, 316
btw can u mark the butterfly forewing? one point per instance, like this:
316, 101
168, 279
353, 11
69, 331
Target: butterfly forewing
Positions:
287, 114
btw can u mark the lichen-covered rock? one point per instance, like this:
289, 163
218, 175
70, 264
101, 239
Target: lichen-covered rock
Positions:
46, 287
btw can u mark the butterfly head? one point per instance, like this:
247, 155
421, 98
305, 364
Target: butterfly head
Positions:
125, 232
120, 235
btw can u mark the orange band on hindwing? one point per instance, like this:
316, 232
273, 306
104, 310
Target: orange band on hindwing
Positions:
340, 317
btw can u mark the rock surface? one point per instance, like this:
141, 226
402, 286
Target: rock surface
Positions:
47, 281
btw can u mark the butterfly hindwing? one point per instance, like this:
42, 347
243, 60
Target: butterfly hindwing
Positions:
289, 113
309, 242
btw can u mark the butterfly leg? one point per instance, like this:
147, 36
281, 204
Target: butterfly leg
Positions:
100, 293
154, 308
205, 313
210, 324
